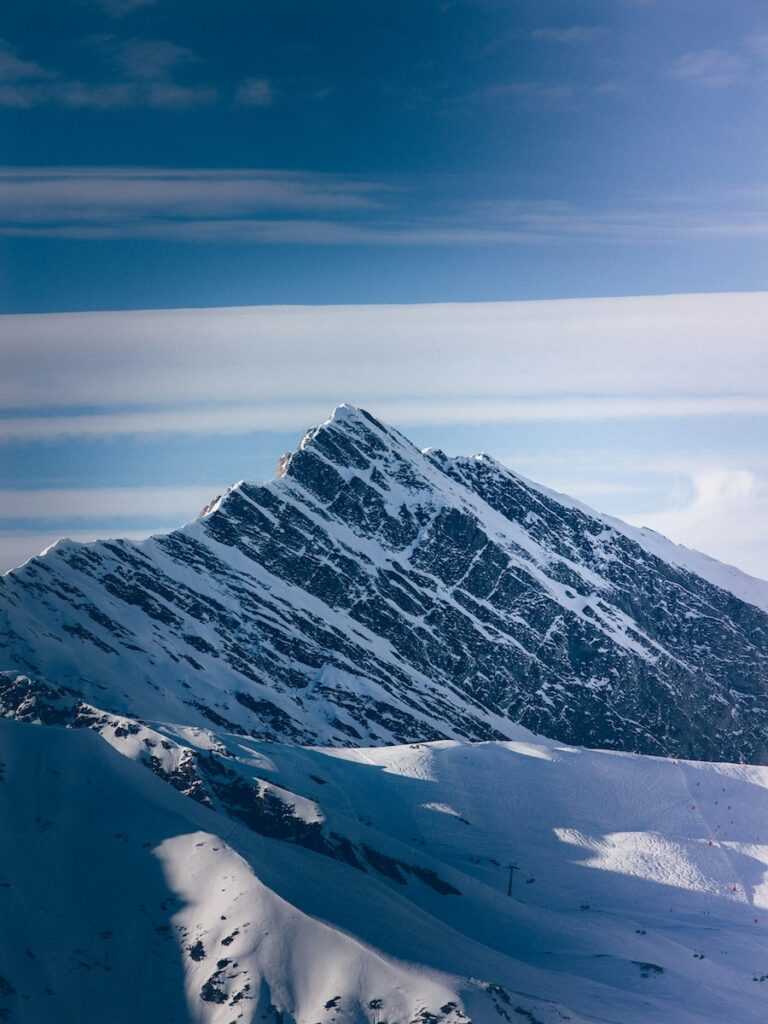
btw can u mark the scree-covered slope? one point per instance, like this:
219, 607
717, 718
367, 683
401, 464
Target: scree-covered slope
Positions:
373, 593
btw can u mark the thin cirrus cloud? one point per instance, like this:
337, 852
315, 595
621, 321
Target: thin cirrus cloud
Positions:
119, 8
570, 35
15, 69
145, 75
713, 69
532, 93
265, 415
720, 69
147, 59
253, 206
170, 503
120, 195
255, 92
758, 44
106, 96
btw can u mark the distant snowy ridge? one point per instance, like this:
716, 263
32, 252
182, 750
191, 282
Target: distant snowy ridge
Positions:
373, 593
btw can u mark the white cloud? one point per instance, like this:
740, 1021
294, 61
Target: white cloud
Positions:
255, 92
713, 69
571, 35
709, 495
126, 196
262, 207
564, 359
758, 44
146, 67
726, 516
265, 415
534, 93
15, 69
150, 59
159, 504
106, 95
119, 8
170, 96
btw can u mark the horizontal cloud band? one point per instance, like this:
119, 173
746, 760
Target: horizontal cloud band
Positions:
234, 420
234, 370
253, 206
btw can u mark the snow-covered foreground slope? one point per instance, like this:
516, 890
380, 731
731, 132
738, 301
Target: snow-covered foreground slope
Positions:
373, 593
640, 893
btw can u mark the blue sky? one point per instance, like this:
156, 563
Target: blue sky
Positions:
160, 154
174, 153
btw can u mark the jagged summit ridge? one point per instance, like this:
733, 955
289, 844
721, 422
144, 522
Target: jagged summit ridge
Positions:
374, 593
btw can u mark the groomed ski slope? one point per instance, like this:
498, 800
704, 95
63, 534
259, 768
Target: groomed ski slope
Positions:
640, 895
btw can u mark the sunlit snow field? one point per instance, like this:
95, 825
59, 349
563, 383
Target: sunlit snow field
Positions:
640, 892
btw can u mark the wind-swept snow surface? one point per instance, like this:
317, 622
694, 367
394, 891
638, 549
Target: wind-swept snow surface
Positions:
377, 890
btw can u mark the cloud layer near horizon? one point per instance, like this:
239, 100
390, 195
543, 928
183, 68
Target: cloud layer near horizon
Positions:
605, 367
564, 359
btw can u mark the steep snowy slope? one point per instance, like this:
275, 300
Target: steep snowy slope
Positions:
726, 577
374, 593
640, 893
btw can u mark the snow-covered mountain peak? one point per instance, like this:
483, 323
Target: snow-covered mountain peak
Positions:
352, 421
373, 593
362, 430
345, 413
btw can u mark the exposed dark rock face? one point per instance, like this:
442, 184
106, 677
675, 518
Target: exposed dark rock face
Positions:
374, 593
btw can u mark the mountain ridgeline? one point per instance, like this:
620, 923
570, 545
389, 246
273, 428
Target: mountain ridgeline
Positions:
373, 593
